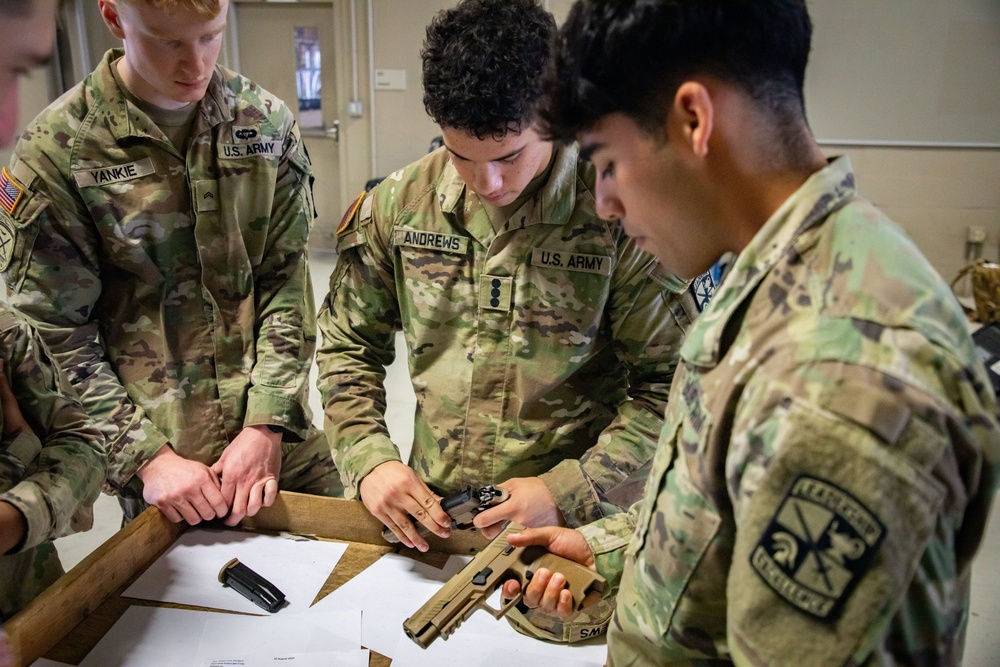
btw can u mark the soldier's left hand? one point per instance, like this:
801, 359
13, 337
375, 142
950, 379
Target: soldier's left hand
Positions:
530, 504
547, 589
249, 468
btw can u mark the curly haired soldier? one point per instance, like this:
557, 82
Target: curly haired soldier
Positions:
541, 339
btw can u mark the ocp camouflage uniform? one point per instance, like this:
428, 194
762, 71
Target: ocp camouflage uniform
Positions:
540, 345
174, 289
53, 474
827, 464
543, 350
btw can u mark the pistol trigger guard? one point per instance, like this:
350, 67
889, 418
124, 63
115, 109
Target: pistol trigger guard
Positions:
502, 611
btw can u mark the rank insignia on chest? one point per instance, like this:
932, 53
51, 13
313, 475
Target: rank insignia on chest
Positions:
817, 546
10, 191
495, 293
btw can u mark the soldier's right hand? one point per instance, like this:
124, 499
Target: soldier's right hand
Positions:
183, 490
393, 493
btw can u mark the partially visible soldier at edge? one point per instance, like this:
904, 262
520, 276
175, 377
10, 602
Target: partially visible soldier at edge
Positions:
160, 250
831, 443
52, 459
541, 340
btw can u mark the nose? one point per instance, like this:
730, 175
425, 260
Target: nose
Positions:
609, 206
192, 57
488, 179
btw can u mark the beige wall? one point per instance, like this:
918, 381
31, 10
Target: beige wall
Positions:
935, 194
403, 130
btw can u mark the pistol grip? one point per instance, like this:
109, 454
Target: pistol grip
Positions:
580, 580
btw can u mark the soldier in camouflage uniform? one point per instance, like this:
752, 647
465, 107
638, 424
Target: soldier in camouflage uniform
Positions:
163, 208
831, 445
52, 459
52, 463
542, 341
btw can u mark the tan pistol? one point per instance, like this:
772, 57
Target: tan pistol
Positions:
498, 562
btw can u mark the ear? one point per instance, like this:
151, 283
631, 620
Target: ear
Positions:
109, 12
695, 112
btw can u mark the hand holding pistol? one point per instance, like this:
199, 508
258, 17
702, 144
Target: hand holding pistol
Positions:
469, 589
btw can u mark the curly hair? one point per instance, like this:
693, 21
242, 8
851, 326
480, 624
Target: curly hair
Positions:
630, 56
483, 64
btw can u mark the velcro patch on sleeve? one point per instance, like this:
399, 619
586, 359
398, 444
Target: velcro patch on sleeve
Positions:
351, 210
817, 546
10, 191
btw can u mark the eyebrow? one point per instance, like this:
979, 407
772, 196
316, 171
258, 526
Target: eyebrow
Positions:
587, 152
496, 159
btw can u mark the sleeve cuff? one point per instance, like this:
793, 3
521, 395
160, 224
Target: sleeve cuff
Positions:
608, 539
130, 451
574, 495
267, 409
355, 466
29, 500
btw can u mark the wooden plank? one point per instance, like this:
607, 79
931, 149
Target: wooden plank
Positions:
68, 619
78, 593
346, 520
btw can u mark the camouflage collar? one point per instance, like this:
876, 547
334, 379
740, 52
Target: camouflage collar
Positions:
556, 199
825, 191
125, 119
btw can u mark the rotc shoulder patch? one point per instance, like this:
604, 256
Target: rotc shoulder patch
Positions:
817, 546
10, 191
351, 210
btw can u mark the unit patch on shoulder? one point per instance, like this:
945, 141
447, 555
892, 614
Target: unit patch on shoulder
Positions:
351, 210
817, 546
10, 191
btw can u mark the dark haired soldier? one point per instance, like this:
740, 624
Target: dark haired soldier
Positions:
831, 442
542, 341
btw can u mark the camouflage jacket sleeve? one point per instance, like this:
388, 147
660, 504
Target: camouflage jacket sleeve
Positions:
286, 312
355, 350
648, 314
608, 539
890, 463
54, 281
53, 475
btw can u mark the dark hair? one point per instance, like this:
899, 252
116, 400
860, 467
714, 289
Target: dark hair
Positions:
631, 56
483, 65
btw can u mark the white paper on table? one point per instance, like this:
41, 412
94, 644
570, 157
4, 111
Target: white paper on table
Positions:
45, 662
483, 641
232, 636
146, 636
355, 658
388, 592
188, 572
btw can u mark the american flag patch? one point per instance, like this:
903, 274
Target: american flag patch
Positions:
10, 191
